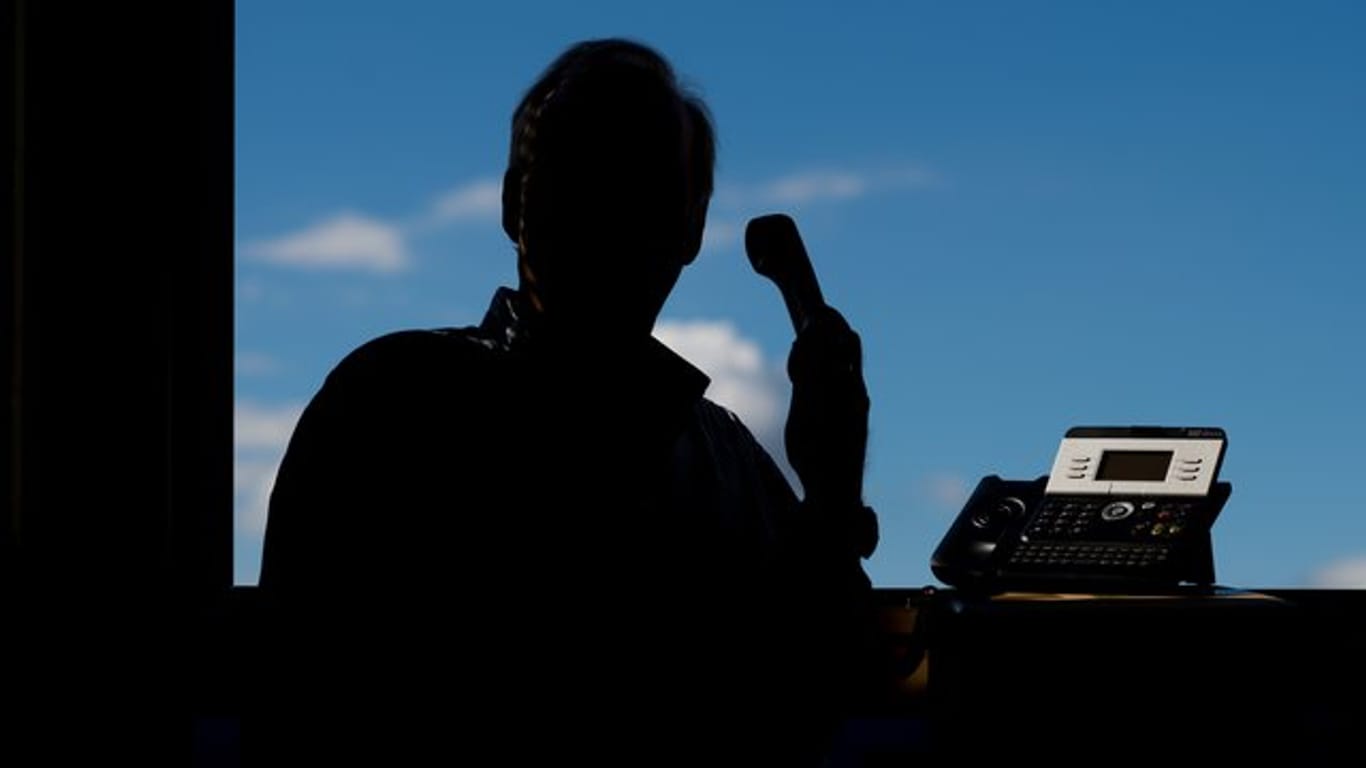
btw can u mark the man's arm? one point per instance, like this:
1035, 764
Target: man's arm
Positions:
302, 545
351, 550
325, 492
352, 499
827, 430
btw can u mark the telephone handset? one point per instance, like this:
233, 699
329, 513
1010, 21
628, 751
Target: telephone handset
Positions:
1124, 508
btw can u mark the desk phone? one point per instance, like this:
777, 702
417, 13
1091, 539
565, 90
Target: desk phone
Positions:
1123, 509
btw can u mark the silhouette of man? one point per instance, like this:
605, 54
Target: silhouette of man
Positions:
541, 522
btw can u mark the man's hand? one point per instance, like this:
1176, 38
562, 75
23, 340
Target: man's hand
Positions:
827, 425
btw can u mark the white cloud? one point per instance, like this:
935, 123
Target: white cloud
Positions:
356, 241
255, 364
345, 241
263, 427
1349, 573
741, 379
808, 187
947, 490
478, 199
252, 482
251, 291
817, 186
261, 433
904, 177
719, 235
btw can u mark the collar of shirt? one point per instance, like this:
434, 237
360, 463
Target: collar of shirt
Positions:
653, 368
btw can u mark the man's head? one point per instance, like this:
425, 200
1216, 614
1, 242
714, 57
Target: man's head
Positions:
606, 192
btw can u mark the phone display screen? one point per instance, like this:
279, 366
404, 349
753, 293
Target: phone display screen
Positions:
1134, 465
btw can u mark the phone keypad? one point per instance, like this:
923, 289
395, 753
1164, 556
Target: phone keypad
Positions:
1073, 518
1103, 555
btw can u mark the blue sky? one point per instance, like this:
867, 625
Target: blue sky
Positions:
1037, 215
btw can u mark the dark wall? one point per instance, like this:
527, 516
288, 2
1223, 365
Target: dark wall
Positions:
119, 296
117, 302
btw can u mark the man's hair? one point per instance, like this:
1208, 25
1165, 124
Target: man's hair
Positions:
621, 76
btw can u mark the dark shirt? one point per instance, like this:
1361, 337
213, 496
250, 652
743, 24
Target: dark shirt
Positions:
502, 524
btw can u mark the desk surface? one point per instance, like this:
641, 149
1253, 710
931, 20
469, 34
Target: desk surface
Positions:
1281, 668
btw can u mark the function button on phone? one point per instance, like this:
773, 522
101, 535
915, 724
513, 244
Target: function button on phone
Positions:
1117, 510
1005, 509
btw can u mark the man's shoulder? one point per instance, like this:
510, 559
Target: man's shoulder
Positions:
405, 356
719, 416
421, 346
724, 426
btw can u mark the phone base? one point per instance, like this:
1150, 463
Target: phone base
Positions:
1012, 536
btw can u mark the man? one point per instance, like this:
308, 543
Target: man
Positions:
541, 520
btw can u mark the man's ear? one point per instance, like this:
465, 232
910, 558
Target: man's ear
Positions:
512, 204
697, 223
